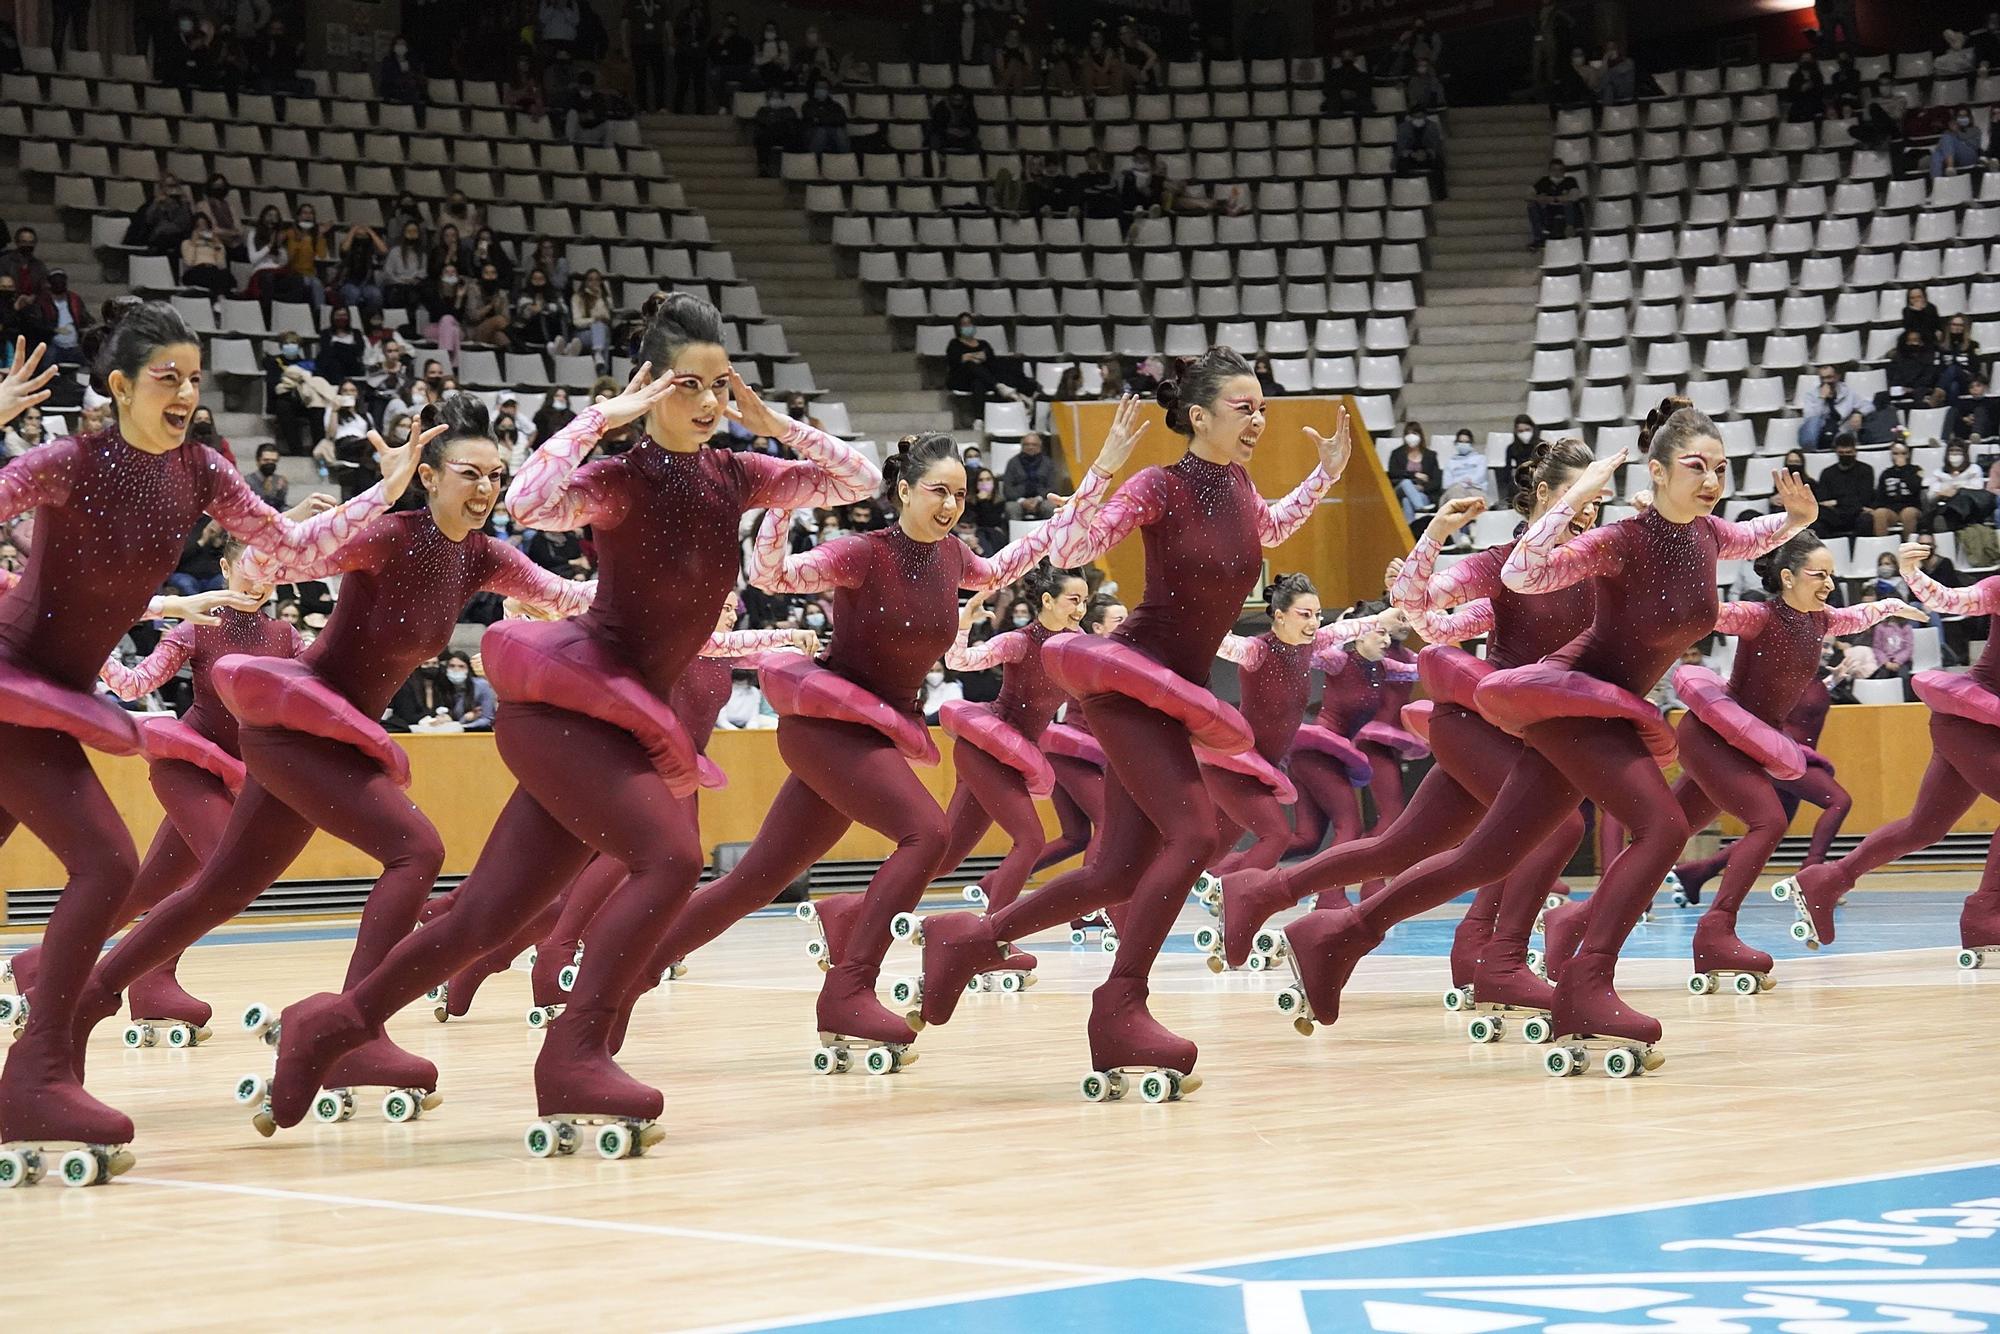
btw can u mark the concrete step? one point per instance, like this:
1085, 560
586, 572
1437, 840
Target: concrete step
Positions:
1464, 398
1427, 372
1486, 261
861, 344
1496, 342
1517, 298
1466, 176
768, 250
786, 307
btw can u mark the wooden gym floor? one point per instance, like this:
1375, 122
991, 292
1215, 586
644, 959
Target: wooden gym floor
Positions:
783, 1196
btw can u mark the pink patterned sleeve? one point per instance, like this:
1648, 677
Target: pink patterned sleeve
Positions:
828, 471
1089, 525
1541, 562
1246, 651
38, 477
742, 643
1277, 522
550, 493
278, 547
1853, 620
363, 549
1982, 599
1395, 669
1468, 620
1332, 661
1009, 562
1418, 589
513, 575
963, 657
155, 669
841, 563
1745, 620
1747, 541
1330, 637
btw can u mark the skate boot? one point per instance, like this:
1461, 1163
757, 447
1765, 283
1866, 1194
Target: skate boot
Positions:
47, 1119
957, 946
1979, 931
1012, 973
1467, 942
1722, 960
1081, 927
163, 1012
1813, 894
549, 980
1683, 885
411, 1082
1127, 1043
1506, 990
1324, 946
852, 1020
578, 1084
1590, 1016
454, 999
1249, 900
1114, 922
1562, 931
21, 969
833, 920
311, 1037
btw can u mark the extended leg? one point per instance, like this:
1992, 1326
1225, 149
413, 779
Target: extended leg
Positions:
1003, 795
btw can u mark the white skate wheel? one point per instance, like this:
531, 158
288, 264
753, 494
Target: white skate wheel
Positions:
1536, 1030
251, 1089
1620, 1063
1096, 1087
136, 1035
614, 1141
1680, 898
256, 1018
1207, 938
80, 1167
906, 990
435, 994
1455, 999
180, 1035
1484, 1029
327, 1109
1077, 935
1801, 931
1155, 1087
1108, 942
1557, 1063
1010, 982
816, 948
1289, 1001
1969, 959
1257, 963
541, 1140
881, 1061
15, 1170
806, 912
973, 894
566, 977
401, 1105
537, 1017
904, 926
826, 1061
1782, 890
1699, 984
1746, 984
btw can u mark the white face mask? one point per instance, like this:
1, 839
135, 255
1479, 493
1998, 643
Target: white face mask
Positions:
1412, 439
1524, 434
815, 621
934, 679
457, 675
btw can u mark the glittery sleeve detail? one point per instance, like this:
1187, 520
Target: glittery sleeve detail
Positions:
828, 471
1541, 562
1009, 562
1468, 620
964, 657
551, 494
1089, 525
1981, 599
742, 643
38, 477
513, 575
1246, 651
1745, 620
1853, 620
364, 549
1277, 522
280, 548
1330, 637
1747, 541
841, 563
1417, 589
155, 669
1395, 669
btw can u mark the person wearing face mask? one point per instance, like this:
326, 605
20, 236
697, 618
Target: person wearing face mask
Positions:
1958, 492
554, 414
972, 367
1032, 475
773, 58
1415, 472
305, 249
954, 124
63, 314
399, 78
205, 259
776, 129
730, 53
269, 486
1466, 475
1419, 149
201, 431
825, 121
19, 262
1913, 372
1827, 406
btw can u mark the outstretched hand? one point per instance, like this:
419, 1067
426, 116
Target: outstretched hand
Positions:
1593, 483
752, 413
642, 391
1904, 611
1796, 495
1126, 428
1910, 557
319, 502
806, 642
398, 463
975, 610
202, 608
25, 384
1334, 451
1455, 513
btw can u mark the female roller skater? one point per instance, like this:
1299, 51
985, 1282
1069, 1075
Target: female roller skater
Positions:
316, 757
1473, 756
1965, 763
1588, 731
112, 512
1731, 742
848, 730
1144, 690
603, 764
1077, 760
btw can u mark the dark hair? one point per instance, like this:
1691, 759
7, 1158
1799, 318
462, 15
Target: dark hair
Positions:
1792, 556
1286, 589
1552, 460
1671, 426
141, 331
1045, 581
922, 452
1093, 615
463, 418
1195, 382
674, 320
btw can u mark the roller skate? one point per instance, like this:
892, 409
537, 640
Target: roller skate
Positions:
578, 1084
47, 1117
20, 969
1813, 893
832, 918
1128, 1045
974, 894
851, 1020
957, 947
1978, 932
1113, 915
1589, 1016
1721, 960
1325, 946
1562, 932
1081, 927
1505, 990
1013, 973
163, 1011
13, 1014
1467, 942
311, 1037
550, 978
1207, 893
1249, 899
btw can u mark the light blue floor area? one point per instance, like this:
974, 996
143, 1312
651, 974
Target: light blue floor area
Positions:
1914, 1252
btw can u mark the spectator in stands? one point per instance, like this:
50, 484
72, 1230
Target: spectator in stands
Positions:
1881, 121
972, 367
1031, 477
825, 121
1920, 316
554, 414
1843, 89
648, 37
294, 394
1836, 16
1266, 380
202, 431
1899, 494
274, 54
1620, 82
814, 59
775, 130
1104, 73
1958, 492
557, 23
541, 316
205, 260
1520, 450
1986, 39
1913, 371
590, 113
342, 352
986, 507
200, 568
1049, 190
1141, 189
1805, 92
559, 553
969, 46
939, 690
729, 56
1827, 407
405, 268
1993, 135
1556, 207
443, 296
166, 220
590, 315
17, 317
178, 55
1142, 62
304, 247
1345, 88
343, 447
360, 267
1111, 373
1097, 191
1958, 58
270, 487
1420, 150
390, 388
30, 274
1554, 30
483, 311
1062, 68
1881, 423
225, 215
464, 216
1958, 147
523, 91
691, 55
1415, 473
1013, 61
1975, 414
449, 249
1423, 89
954, 124
1845, 490
27, 432
773, 60
63, 314
1465, 472
399, 78
1578, 82
1414, 43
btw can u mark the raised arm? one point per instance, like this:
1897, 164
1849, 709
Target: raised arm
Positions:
1089, 525
155, 669
1747, 541
513, 575
550, 493
1417, 589
983, 573
1246, 651
1863, 616
1982, 599
281, 547
1330, 637
1745, 620
828, 471
773, 567
1542, 562
1277, 522
364, 549
1010, 647
1468, 620
38, 477
742, 643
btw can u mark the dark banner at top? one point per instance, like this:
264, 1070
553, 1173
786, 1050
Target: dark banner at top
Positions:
1366, 23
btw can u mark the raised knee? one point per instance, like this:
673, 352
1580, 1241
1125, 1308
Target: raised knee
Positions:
926, 835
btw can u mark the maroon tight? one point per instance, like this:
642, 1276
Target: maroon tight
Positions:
842, 774
197, 805
1246, 804
990, 793
582, 901
1965, 764
1818, 787
1387, 785
1079, 803
1158, 835
298, 783
1719, 776
1324, 795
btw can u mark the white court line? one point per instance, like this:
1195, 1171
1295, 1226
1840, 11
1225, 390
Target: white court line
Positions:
1666, 1279
1096, 1273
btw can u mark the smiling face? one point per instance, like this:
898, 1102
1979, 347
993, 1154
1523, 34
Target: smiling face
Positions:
1113, 617
156, 406
933, 503
464, 488
1063, 609
686, 418
1809, 587
1299, 622
1229, 429
1691, 484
